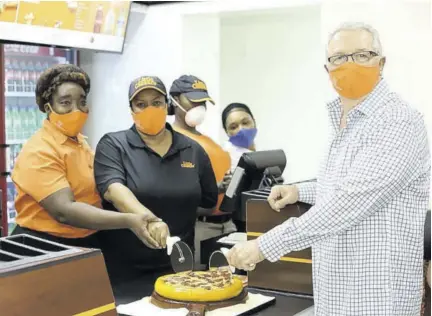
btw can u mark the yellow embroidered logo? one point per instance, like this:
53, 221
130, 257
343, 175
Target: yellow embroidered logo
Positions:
187, 164
199, 85
145, 81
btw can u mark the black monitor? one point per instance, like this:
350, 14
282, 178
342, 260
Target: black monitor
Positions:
255, 170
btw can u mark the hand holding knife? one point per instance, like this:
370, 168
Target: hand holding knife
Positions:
159, 231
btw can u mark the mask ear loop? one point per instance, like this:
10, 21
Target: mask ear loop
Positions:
174, 102
50, 107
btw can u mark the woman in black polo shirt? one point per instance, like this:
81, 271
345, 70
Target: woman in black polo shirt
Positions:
150, 169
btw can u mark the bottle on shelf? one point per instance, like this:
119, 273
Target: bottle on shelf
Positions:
25, 76
12, 156
10, 205
17, 74
98, 20
10, 192
9, 75
31, 121
8, 153
30, 125
38, 70
31, 83
42, 118
23, 110
38, 117
15, 150
45, 66
8, 123
16, 123
110, 20
33, 75
121, 22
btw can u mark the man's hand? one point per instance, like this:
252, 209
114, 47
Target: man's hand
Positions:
159, 231
139, 225
245, 255
282, 195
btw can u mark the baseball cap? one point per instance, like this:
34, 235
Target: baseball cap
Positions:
146, 82
192, 87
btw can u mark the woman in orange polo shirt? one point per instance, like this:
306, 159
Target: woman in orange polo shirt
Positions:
57, 198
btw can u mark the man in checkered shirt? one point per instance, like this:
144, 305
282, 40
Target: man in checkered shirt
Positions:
371, 196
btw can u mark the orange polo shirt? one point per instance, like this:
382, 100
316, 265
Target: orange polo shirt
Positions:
49, 162
219, 158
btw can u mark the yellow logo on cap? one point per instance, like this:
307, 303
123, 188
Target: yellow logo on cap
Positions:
199, 85
145, 81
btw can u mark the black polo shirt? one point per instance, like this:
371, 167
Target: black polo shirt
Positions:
172, 187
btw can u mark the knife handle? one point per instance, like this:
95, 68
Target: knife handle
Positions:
196, 309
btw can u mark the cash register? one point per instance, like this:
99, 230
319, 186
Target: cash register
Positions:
246, 199
254, 175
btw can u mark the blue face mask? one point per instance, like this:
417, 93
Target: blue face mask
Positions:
244, 138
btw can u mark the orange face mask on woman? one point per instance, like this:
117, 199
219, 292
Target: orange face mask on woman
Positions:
150, 120
354, 81
70, 123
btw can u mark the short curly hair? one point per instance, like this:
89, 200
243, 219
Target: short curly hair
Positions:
54, 76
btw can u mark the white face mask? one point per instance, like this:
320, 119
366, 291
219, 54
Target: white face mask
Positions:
195, 116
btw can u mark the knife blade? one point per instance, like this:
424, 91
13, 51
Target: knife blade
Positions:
181, 255
218, 260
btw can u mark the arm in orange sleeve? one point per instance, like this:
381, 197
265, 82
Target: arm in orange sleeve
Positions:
42, 175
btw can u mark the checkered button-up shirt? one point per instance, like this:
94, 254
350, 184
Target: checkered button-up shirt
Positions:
366, 225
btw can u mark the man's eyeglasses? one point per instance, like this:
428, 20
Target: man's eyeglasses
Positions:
358, 57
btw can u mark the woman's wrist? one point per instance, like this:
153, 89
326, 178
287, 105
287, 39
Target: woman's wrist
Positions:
130, 220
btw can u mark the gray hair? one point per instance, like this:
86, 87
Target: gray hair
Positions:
376, 44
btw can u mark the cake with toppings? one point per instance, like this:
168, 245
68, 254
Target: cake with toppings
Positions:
199, 286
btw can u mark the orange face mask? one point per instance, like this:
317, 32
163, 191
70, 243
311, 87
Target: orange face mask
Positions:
151, 120
69, 124
354, 81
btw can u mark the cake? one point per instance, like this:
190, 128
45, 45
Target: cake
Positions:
199, 286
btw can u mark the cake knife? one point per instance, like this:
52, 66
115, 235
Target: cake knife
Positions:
180, 254
218, 260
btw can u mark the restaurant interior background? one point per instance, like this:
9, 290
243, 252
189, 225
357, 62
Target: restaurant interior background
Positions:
267, 54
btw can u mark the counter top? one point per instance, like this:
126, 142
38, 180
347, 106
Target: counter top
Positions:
286, 304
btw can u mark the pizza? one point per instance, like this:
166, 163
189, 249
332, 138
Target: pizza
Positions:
199, 286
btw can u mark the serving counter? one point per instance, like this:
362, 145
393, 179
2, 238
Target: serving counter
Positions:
39, 277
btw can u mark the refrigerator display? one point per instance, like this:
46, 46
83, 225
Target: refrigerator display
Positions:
23, 64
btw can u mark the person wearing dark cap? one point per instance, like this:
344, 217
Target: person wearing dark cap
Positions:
240, 126
150, 169
189, 95
53, 174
